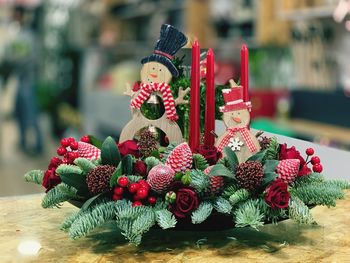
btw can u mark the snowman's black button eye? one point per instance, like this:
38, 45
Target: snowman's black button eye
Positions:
153, 68
238, 113
160, 69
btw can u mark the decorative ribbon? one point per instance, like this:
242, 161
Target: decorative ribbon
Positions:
164, 88
163, 54
245, 135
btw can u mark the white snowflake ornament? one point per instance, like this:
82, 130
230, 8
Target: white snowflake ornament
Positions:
235, 144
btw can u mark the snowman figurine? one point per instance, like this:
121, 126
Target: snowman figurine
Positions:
156, 74
236, 117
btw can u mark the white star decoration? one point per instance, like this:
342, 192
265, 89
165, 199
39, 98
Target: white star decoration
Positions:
235, 144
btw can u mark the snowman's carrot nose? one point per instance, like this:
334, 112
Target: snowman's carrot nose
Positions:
153, 75
237, 119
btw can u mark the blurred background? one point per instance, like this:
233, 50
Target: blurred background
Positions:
64, 65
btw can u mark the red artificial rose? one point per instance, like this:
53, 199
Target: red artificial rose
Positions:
140, 168
292, 153
50, 179
129, 147
210, 153
277, 195
186, 201
304, 170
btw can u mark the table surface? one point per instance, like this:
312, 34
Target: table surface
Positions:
22, 218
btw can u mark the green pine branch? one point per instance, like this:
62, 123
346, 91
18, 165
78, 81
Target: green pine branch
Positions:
230, 190
202, 213
222, 205
199, 162
199, 180
67, 169
69, 220
151, 162
299, 212
60, 193
34, 176
85, 165
272, 150
310, 179
249, 214
340, 183
165, 219
239, 196
134, 178
271, 214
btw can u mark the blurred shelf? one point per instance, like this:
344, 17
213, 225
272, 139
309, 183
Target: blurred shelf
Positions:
306, 13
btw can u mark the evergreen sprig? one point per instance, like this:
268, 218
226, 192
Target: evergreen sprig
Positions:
230, 190
199, 180
310, 179
151, 162
202, 212
85, 165
199, 162
249, 214
134, 178
222, 205
165, 219
67, 169
272, 150
34, 176
69, 220
299, 212
239, 196
60, 193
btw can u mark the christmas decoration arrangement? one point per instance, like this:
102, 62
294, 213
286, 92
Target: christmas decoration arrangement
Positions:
185, 177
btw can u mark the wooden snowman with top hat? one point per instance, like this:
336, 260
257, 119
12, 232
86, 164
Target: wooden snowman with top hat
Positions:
156, 74
236, 117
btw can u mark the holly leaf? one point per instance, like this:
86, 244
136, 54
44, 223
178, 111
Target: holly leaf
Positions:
258, 157
95, 142
78, 181
115, 176
109, 152
221, 170
232, 158
270, 166
127, 162
156, 154
268, 178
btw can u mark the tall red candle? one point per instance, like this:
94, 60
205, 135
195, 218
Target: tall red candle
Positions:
209, 126
245, 72
194, 130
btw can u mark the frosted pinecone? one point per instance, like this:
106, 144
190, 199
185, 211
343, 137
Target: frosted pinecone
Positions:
217, 183
160, 178
249, 175
88, 151
180, 159
288, 169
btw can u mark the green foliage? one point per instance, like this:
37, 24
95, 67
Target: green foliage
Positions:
272, 152
230, 190
115, 176
239, 196
199, 162
59, 194
202, 213
249, 214
76, 179
151, 162
127, 164
199, 180
168, 150
271, 214
134, 178
67, 169
95, 142
340, 183
312, 178
110, 153
231, 158
224, 161
258, 157
221, 170
98, 215
34, 176
299, 212
69, 220
85, 165
222, 205
165, 219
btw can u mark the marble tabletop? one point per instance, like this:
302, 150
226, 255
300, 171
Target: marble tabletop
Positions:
26, 226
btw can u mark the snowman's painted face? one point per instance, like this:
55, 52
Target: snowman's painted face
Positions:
154, 72
238, 118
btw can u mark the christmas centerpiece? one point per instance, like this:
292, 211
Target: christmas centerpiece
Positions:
177, 178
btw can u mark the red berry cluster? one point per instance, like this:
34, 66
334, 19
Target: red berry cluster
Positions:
315, 161
138, 191
68, 150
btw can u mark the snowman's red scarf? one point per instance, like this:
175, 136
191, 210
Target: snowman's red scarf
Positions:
245, 135
164, 88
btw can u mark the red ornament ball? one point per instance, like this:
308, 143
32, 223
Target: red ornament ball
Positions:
317, 168
74, 145
117, 197
123, 181
136, 203
85, 138
133, 187
142, 193
315, 160
118, 190
152, 200
65, 142
61, 151
310, 151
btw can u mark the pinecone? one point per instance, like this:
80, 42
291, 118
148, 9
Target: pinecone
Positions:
98, 178
160, 177
147, 142
88, 151
264, 142
288, 169
249, 175
180, 159
216, 182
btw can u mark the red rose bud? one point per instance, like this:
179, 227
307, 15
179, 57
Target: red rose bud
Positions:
123, 181
61, 151
65, 142
85, 138
55, 162
117, 197
74, 145
277, 195
133, 187
140, 168
118, 190
315, 160
152, 200
136, 203
317, 168
290, 153
310, 151
304, 170
50, 179
129, 147
142, 193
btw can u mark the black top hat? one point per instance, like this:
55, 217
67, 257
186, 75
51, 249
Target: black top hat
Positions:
170, 41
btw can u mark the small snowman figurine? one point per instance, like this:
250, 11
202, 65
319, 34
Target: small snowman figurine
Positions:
236, 117
156, 74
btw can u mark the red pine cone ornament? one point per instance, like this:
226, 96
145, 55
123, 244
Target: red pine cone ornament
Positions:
160, 178
288, 169
216, 182
180, 159
88, 151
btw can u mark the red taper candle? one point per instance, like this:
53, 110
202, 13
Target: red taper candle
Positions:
209, 126
194, 130
245, 72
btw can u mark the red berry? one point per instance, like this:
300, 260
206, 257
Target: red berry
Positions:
136, 203
65, 142
315, 160
117, 197
74, 145
144, 184
142, 193
310, 151
317, 168
85, 138
61, 151
123, 181
118, 190
134, 187
152, 200
136, 198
